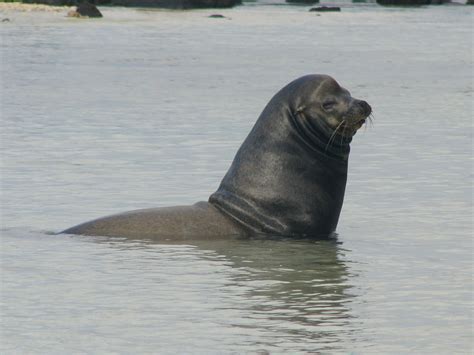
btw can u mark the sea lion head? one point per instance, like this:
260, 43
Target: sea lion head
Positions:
329, 106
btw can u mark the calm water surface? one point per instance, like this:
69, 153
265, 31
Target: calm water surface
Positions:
147, 108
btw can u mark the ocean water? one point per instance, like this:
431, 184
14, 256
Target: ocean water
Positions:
146, 108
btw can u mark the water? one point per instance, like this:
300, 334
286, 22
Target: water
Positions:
147, 108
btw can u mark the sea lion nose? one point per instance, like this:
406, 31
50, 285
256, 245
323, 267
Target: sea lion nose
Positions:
365, 107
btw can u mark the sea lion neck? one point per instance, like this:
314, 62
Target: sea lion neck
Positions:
320, 137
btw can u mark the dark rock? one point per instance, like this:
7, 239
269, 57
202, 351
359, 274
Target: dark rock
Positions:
213, 3
303, 2
85, 9
418, 2
52, 2
6, 20
404, 2
325, 9
167, 4
216, 16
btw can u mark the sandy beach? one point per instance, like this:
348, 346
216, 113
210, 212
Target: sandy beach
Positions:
19, 7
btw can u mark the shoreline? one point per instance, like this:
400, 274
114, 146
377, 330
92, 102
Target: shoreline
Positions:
21, 7
24, 7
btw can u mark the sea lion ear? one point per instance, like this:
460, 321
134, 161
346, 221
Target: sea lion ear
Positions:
300, 109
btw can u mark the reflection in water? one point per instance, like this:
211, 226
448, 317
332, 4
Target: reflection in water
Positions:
296, 289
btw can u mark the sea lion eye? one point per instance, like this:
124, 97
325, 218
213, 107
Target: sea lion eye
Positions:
328, 104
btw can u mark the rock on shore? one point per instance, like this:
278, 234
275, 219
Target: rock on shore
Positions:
412, 2
325, 9
303, 2
85, 9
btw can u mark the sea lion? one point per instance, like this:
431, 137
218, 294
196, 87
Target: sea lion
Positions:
288, 178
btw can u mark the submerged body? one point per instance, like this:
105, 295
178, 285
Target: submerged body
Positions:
201, 220
288, 177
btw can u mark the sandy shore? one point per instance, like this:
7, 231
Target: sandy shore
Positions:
16, 6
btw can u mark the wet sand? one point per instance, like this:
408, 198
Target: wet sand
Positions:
6, 7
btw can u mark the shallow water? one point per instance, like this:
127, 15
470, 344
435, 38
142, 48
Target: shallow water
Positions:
147, 108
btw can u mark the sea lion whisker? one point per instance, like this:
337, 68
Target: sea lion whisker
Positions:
333, 135
343, 133
331, 138
370, 118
